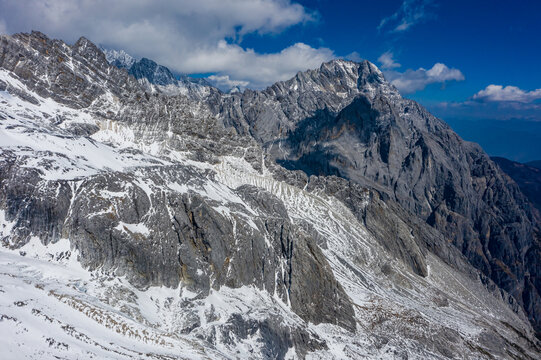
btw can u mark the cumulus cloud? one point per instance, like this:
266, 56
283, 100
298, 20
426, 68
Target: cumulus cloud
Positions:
225, 83
259, 69
494, 93
203, 36
410, 13
414, 80
387, 62
354, 56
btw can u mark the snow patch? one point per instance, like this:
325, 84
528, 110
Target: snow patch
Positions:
5, 225
133, 228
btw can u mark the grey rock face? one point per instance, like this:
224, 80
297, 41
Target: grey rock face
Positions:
397, 235
527, 177
40, 215
274, 112
48, 67
156, 74
166, 237
185, 126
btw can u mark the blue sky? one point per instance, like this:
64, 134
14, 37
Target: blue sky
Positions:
490, 42
472, 63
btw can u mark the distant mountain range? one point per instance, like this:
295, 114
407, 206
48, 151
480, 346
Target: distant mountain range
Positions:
155, 77
535, 164
527, 176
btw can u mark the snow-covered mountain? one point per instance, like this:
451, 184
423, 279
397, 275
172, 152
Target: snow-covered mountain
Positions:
118, 58
140, 224
158, 78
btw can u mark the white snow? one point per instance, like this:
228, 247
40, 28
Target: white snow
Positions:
133, 228
56, 310
27, 128
5, 225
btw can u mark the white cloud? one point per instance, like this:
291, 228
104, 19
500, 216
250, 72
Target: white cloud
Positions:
508, 93
414, 80
410, 13
387, 62
258, 69
203, 36
225, 83
440, 73
354, 56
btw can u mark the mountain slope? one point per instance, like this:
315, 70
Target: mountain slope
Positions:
142, 224
344, 119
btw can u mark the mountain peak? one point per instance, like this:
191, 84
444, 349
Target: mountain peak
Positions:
351, 67
119, 58
156, 74
340, 79
84, 43
90, 51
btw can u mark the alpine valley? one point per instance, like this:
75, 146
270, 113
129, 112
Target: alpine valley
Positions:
326, 217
